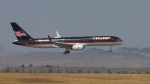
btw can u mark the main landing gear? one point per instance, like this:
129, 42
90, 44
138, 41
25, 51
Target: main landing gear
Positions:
66, 51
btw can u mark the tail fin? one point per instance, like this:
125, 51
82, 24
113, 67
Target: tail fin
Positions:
19, 32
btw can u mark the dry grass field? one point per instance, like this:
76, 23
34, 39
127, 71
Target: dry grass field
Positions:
16, 78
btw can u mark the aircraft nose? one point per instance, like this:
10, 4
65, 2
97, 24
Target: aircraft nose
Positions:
122, 42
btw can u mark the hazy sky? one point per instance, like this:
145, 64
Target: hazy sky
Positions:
127, 19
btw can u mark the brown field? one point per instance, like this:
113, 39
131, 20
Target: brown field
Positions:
16, 78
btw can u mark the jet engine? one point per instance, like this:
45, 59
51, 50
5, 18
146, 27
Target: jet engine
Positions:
77, 47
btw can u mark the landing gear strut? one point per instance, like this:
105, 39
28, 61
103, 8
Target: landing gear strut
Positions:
66, 51
110, 49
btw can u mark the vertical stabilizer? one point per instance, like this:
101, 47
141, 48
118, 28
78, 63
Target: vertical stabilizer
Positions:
19, 32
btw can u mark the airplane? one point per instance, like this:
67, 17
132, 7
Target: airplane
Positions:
69, 43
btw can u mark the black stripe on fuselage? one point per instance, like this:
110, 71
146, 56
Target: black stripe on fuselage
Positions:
70, 40
87, 37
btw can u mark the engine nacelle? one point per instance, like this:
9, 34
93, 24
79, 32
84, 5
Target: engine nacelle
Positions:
77, 47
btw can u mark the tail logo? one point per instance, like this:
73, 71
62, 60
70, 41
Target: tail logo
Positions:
20, 34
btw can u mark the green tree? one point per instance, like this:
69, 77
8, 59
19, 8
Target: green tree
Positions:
79, 71
30, 65
95, 71
67, 71
47, 66
147, 72
7, 70
35, 71
22, 66
119, 72
58, 71
57, 66
88, 71
109, 71
50, 70
71, 71
22, 70
17, 70
30, 71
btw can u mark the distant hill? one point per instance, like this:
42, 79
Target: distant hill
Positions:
93, 57
6, 53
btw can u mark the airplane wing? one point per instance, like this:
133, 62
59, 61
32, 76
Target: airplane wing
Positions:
63, 45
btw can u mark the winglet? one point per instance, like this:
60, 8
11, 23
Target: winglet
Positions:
57, 35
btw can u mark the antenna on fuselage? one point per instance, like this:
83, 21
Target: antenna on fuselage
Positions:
49, 38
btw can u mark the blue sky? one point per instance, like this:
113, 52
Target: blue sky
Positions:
127, 19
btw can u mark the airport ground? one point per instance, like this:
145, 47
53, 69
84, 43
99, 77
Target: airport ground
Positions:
40, 78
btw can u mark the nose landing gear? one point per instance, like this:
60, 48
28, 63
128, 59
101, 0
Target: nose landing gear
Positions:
110, 50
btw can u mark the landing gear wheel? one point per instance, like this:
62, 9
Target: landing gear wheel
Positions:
66, 52
110, 49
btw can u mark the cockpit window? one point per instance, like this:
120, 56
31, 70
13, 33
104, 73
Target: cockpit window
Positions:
115, 38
